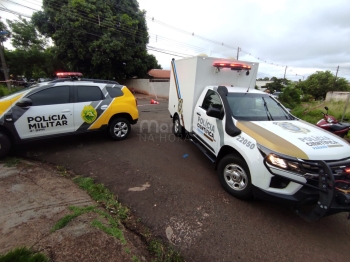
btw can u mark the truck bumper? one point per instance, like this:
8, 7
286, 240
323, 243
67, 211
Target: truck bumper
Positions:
320, 196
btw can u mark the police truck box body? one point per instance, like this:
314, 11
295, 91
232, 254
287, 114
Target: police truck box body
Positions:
258, 148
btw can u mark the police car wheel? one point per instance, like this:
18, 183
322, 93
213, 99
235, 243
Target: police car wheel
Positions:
5, 145
177, 128
119, 129
234, 176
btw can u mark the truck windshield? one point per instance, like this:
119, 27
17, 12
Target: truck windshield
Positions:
256, 107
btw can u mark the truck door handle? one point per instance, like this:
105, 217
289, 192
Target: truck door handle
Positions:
199, 114
104, 107
65, 110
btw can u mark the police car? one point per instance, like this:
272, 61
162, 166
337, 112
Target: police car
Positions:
66, 106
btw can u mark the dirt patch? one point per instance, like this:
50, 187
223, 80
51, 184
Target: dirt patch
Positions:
35, 196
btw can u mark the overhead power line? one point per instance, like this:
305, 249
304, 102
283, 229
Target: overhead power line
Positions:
91, 18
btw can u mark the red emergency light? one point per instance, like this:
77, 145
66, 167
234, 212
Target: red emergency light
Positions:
233, 66
68, 74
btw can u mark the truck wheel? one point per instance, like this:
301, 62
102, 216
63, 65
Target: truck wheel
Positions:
119, 129
177, 128
5, 145
234, 176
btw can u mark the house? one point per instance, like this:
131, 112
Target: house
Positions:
159, 75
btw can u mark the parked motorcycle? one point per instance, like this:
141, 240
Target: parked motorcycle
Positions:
331, 124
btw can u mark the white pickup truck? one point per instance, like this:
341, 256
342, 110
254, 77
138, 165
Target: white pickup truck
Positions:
258, 148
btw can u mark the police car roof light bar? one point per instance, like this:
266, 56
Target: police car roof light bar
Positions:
233, 66
69, 74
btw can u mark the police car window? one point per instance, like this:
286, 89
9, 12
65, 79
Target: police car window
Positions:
114, 91
51, 96
88, 93
211, 99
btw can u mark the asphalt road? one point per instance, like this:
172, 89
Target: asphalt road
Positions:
180, 198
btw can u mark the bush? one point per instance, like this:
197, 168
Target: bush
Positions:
307, 98
290, 97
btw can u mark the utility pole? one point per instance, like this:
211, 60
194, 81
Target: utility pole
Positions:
285, 72
335, 79
238, 49
4, 66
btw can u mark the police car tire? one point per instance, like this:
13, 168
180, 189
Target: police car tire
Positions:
232, 161
121, 122
5, 145
178, 130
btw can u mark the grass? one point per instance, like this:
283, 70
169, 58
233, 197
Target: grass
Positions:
311, 111
23, 254
99, 193
76, 212
62, 171
11, 161
4, 90
163, 253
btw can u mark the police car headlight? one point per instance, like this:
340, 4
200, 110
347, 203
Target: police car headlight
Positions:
279, 160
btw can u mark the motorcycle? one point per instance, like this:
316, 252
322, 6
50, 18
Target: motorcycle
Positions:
331, 124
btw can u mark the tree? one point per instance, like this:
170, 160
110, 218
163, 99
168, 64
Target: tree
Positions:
277, 85
3, 28
99, 38
266, 78
25, 36
319, 83
290, 97
34, 63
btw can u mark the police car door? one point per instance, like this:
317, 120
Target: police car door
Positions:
88, 106
51, 112
208, 129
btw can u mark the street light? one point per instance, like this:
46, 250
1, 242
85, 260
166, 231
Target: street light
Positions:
3, 62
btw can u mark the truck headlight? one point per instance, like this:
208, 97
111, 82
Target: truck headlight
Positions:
279, 160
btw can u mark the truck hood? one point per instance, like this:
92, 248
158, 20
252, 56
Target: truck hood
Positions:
297, 139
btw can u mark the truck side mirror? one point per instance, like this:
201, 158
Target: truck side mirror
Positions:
24, 102
215, 112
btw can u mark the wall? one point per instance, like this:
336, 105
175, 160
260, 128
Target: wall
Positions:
144, 86
337, 96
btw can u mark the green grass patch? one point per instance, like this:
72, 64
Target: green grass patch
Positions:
23, 254
11, 161
164, 253
62, 171
135, 259
161, 252
102, 195
113, 228
77, 211
113, 231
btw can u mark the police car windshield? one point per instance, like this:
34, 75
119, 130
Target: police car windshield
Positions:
256, 107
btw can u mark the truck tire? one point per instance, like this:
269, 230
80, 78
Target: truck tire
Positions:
234, 176
119, 129
178, 130
5, 145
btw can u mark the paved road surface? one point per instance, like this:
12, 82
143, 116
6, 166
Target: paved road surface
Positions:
180, 198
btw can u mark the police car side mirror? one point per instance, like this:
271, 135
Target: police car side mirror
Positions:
24, 102
214, 112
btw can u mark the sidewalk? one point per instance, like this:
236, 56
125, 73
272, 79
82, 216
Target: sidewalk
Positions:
34, 197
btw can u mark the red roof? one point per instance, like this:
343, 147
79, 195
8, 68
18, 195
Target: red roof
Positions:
159, 73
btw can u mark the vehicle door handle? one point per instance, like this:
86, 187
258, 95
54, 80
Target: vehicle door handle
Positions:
199, 114
104, 107
65, 110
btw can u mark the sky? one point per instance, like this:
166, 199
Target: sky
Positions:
296, 37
